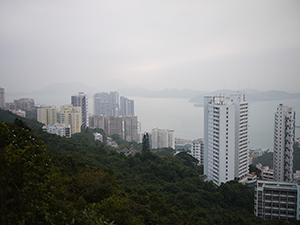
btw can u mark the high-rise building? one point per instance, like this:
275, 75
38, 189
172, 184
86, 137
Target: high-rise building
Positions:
82, 101
126, 106
197, 150
226, 146
162, 138
47, 115
24, 104
131, 128
114, 103
277, 200
102, 104
71, 115
115, 126
284, 135
2, 98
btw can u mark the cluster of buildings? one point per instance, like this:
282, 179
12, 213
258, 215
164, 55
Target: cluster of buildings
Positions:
224, 152
112, 114
277, 196
19, 106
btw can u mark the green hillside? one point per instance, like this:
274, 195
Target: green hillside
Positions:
47, 179
267, 159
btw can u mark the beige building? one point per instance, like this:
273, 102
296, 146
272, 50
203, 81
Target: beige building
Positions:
71, 115
47, 115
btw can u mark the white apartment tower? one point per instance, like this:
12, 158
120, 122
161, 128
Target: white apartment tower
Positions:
226, 145
71, 115
82, 101
284, 135
197, 150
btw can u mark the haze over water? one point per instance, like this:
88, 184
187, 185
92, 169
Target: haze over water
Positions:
187, 120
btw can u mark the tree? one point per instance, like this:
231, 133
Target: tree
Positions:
24, 169
146, 145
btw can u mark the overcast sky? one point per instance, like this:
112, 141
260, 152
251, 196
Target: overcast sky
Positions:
202, 45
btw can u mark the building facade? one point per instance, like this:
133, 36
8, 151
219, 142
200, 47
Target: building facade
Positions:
197, 150
277, 200
126, 106
162, 138
284, 135
2, 98
25, 104
226, 145
47, 115
81, 100
60, 129
101, 104
131, 128
71, 115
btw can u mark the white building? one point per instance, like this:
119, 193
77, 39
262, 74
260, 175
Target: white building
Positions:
197, 150
226, 148
60, 129
47, 115
162, 138
284, 135
71, 115
82, 101
98, 137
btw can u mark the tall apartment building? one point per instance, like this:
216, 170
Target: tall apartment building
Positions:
82, 101
71, 115
226, 146
2, 98
47, 115
131, 128
101, 104
106, 104
284, 135
197, 150
126, 106
277, 200
24, 104
162, 138
114, 103
115, 126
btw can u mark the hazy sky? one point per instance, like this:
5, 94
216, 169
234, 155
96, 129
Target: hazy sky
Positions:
203, 45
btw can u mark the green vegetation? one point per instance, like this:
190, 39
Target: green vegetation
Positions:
265, 159
47, 179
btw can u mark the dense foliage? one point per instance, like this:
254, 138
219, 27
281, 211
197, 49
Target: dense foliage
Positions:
47, 179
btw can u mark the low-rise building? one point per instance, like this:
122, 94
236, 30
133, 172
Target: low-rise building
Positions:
277, 200
60, 129
266, 172
98, 137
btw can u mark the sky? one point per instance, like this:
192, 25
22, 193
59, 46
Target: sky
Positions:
201, 45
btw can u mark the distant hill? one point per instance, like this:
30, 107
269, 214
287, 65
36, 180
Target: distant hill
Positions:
60, 93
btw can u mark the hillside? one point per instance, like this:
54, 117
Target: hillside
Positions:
267, 159
47, 179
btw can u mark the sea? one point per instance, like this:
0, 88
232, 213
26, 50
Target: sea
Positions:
186, 119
